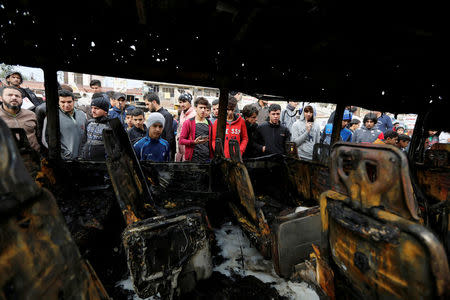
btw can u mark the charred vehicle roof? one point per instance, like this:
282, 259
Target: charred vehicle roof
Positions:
383, 55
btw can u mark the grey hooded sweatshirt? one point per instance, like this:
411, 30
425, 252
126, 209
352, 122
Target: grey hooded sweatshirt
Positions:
365, 135
303, 139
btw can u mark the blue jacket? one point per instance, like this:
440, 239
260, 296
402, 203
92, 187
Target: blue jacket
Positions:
346, 134
384, 123
151, 149
120, 114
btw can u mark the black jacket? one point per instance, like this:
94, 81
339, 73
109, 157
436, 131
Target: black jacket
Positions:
136, 134
94, 149
168, 133
274, 137
253, 148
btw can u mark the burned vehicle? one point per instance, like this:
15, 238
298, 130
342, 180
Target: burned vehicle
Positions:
357, 221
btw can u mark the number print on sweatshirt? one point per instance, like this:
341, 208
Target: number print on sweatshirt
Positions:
233, 131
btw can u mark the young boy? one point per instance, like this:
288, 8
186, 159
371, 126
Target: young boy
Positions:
195, 134
139, 130
153, 147
235, 130
129, 119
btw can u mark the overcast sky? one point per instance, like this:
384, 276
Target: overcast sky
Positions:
38, 75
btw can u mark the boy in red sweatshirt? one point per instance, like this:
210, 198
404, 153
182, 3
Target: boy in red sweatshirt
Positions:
235, 129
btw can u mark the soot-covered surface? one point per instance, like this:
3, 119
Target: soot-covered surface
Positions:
240, 272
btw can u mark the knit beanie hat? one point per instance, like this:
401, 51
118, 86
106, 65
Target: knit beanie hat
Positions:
155, 117
101, 103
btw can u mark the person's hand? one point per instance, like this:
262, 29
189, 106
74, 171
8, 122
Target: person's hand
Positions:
264, 149
200, 140
308, 126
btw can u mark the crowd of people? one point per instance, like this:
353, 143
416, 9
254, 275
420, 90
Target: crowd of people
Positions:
259, 129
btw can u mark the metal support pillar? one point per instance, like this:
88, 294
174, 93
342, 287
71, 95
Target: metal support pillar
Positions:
51, 97
222, 118
337, 123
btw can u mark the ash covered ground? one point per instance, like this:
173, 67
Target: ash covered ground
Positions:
240, 272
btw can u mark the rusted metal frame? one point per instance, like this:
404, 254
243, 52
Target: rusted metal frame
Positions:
52, 99
337, 123
438, 258
222, 118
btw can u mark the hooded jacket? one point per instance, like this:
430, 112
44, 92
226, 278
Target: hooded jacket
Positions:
94, 149
254, 149
168, 133
365, 135
73, 133
303, 139
190, 113
263, 113
289, 116
119, 114
235, 130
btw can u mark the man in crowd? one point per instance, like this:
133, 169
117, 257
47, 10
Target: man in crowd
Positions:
368, 133
384, 122
403, 142
29, 99
187, 112
306, 133
263, 111
154, 105
250, 114
129, 119
390, 138
112, 101
94, 149
139, 130
273, 135
72, 126
353, 125
119, 111
235, 130
346, 134
238, 97
153, 147
215, 111
290, 115
15, 117
196, 134
96, 86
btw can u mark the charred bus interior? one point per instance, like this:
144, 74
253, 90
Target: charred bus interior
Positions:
358, 221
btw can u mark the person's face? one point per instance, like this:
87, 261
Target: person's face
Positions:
129, 120
148, 104
308, 115
14, 80
138, 121
121, 103
66, 104
293, 104
345, 123
354, 127
252, 118
96, 88
155, 130
403, 144
391, 141
201, 110
215, 110
12, 99
230, 113
432, 132
369, 124
98, 112
113, 102
274, 116
400, 130
208, 111
185, 105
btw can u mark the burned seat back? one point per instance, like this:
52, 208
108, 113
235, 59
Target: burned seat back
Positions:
371, 235
38, 258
